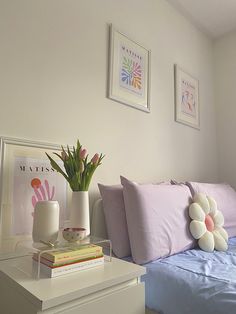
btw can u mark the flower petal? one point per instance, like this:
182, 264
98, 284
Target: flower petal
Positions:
206, 243
223, 233
202, 200
212, 204
196, 212
218, 219
197, 229
220, 243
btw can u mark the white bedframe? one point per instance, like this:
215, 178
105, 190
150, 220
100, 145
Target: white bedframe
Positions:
98, 224
99, 229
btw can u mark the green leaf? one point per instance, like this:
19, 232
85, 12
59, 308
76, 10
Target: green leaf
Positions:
58, 155
57, 167
78, 145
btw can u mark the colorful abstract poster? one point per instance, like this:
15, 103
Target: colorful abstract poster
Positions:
131, 70
34, 180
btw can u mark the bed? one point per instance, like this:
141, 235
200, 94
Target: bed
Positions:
191, 281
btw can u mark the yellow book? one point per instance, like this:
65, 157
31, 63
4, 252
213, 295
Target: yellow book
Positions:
71, 260
72, 252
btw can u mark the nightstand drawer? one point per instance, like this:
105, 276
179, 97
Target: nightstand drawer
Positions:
128, 300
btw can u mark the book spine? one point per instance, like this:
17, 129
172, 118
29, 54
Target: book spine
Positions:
55, 257
55, 272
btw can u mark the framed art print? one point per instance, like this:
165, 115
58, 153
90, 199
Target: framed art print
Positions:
129, 71
27, 177
186, 99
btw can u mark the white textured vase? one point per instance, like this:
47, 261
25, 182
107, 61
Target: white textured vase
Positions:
46, 221
79, 211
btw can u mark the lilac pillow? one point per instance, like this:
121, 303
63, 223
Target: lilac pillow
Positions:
157, 218
225, 197
114, 211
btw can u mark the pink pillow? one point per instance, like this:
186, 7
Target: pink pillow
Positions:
225, 197
157, 218
114, 212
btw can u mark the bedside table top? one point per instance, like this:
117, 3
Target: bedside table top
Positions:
48, 292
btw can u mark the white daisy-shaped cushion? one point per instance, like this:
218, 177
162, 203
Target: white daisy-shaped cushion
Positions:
207, 224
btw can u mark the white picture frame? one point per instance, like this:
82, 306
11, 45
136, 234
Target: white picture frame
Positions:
129, 71
26, 176
187, 109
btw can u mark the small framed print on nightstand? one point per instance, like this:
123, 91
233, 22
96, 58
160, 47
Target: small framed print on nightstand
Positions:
27, 177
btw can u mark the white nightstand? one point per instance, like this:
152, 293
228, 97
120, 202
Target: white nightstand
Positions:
110, 289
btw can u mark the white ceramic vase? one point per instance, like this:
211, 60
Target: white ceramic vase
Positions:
79, 211
46, 221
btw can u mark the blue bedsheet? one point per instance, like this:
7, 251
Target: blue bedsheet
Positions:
193, 282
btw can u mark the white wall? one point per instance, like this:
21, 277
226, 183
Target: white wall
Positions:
53, 82
225, 80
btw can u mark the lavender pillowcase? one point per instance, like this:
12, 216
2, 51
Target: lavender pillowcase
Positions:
157, 218
114, 212
115, 217
225, 197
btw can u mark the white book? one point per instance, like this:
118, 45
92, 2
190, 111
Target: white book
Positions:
63, 270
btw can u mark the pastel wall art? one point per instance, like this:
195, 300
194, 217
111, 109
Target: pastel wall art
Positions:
34, 180
186, 99
27, 177
129, 72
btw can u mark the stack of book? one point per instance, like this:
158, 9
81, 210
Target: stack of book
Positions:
64, 261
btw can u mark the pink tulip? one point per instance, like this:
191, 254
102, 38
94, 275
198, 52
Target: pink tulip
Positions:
82, 153
64, 155
95, 158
